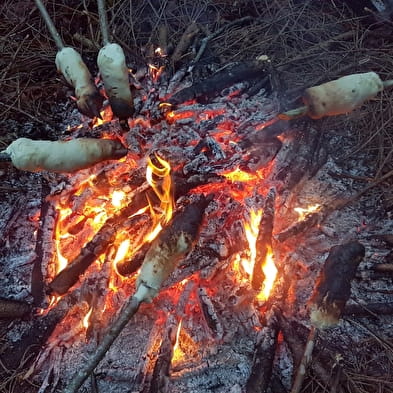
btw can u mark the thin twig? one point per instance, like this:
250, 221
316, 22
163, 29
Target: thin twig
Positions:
214, 35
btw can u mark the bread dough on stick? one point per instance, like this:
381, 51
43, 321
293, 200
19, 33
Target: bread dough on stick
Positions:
114, 73
70, 64
62, 156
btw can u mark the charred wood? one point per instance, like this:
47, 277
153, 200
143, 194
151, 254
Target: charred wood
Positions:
297, 160
37, 277
162, 367
130, 266
310, 220
100, 242
210, 314
295, 335
264, 353
212, 86
369, 310
38, 333
12, 309
264, 240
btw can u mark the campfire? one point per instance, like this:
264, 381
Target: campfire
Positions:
202, 244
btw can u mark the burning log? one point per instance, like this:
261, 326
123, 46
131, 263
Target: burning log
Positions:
93, 249
12, 309
212, 86
265, 350
114, 72
70, 64
62, 156
264, 240
130, 266
70, 275
332, 290
172, 244
310, 220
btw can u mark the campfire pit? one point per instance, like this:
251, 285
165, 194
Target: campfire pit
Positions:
233, 315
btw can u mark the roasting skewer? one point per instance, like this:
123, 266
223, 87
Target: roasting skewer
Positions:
114, 72
69, 62
62, 156
172, 244
339, 96
332, 290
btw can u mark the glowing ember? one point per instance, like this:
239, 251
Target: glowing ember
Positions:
303, 212
239, 175
117, 198
270, 271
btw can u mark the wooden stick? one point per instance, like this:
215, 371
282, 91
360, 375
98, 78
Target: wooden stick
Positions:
49, 23
12, 309
305, 361
127, 312
103, 21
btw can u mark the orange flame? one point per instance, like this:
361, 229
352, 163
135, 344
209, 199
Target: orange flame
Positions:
251, 230
303, 212
239, 175
177, 354
85, 321
163, 190
270, 271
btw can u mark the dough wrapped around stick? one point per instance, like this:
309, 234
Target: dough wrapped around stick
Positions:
114, 73
62, 156
333, 287
70, 64
331, 293
342, 95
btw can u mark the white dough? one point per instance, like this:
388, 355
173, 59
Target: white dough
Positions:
112, 65
61, 156
159, 263
341, 95
69, 62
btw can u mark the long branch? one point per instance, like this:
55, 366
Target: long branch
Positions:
103, 21
130, 308
49, 23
